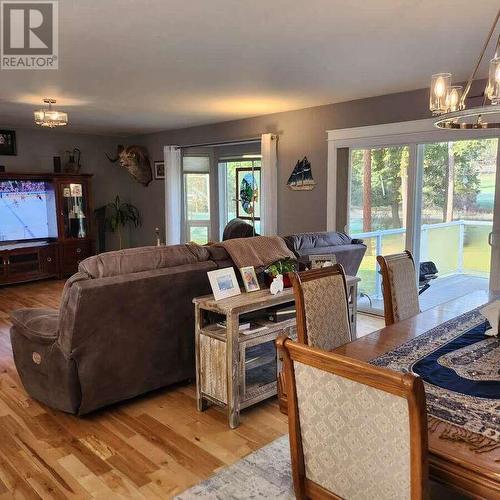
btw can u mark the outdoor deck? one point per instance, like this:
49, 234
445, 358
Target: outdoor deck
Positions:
442, 290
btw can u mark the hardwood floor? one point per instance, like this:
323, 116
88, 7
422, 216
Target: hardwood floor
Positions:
152, 447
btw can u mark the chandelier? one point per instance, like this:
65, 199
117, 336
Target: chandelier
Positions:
49, 117
447, 101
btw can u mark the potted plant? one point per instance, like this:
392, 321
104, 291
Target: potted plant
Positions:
118, 215
283, 266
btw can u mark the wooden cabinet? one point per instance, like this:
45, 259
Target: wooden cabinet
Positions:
37, 259
28, 262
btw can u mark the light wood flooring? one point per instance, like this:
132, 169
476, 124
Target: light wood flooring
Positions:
152, 447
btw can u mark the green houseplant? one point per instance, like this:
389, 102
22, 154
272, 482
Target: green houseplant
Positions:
283, 266
118, 215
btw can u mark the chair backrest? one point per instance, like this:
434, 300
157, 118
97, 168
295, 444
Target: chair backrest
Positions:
322, 307
399, 286
356, 430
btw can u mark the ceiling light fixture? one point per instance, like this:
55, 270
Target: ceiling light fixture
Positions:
49, 117
448, 101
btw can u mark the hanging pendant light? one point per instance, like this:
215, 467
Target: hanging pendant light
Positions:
49, 117
448, 101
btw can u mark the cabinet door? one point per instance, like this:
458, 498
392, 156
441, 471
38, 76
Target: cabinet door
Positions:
4, 262
72, 254
48, 260
73, 210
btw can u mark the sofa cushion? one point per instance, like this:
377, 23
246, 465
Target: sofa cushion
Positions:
305, 243
40, 325
135, 260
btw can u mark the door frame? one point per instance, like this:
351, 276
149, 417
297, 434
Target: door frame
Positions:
415, 134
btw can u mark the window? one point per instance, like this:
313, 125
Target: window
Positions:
197, 198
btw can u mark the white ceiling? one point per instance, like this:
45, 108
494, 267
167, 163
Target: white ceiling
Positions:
140, 66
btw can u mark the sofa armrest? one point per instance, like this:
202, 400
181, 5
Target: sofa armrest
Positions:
38, 325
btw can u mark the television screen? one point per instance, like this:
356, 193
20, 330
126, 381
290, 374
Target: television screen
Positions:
27, 210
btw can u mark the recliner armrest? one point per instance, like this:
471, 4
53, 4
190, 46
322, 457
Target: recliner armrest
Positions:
38, 325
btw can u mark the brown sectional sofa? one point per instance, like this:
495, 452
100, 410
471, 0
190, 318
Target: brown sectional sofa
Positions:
125, 327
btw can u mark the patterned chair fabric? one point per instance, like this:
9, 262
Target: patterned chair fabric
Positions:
326, 312
355, 438
402, 285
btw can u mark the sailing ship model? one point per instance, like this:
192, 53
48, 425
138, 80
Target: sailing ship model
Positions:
301, 178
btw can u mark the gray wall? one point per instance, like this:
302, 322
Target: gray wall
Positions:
301, 133
36, 148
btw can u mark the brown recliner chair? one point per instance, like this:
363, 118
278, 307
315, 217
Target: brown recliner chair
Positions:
238, 228
125, 327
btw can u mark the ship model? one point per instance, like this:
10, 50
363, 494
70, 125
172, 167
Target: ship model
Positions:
301, 178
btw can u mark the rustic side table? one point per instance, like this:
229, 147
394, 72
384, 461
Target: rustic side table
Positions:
235, 369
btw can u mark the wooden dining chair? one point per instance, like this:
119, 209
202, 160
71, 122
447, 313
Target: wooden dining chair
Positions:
399, 286
321, 302
356, 430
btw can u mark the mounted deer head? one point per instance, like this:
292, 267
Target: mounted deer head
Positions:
136, 160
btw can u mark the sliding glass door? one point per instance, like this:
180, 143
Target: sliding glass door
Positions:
435, 199
240, 190
377, 212
458, 196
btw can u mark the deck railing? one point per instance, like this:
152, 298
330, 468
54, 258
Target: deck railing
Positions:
454, 256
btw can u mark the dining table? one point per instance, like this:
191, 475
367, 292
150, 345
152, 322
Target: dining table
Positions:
452, 463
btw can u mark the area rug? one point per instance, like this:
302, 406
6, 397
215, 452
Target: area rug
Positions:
460, 366
266, 473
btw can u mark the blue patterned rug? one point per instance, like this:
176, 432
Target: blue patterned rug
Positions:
460, 367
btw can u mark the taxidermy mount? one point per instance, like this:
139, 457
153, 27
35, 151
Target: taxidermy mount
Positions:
136, 160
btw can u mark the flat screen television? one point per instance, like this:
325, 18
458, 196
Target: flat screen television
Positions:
27, 210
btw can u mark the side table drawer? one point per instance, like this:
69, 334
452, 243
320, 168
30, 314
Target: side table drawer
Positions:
213, 368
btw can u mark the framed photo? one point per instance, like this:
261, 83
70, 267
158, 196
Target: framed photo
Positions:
159, 170
8, 143
248, 193
249, 279
224, 283
326, 260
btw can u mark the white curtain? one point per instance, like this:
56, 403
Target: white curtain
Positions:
269, 185
173, 194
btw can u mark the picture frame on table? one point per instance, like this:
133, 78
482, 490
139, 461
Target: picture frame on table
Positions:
159, 168
224, 283
249, 279
8, 146
322, 260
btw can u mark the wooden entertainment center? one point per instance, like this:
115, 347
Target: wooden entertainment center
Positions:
58, 256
